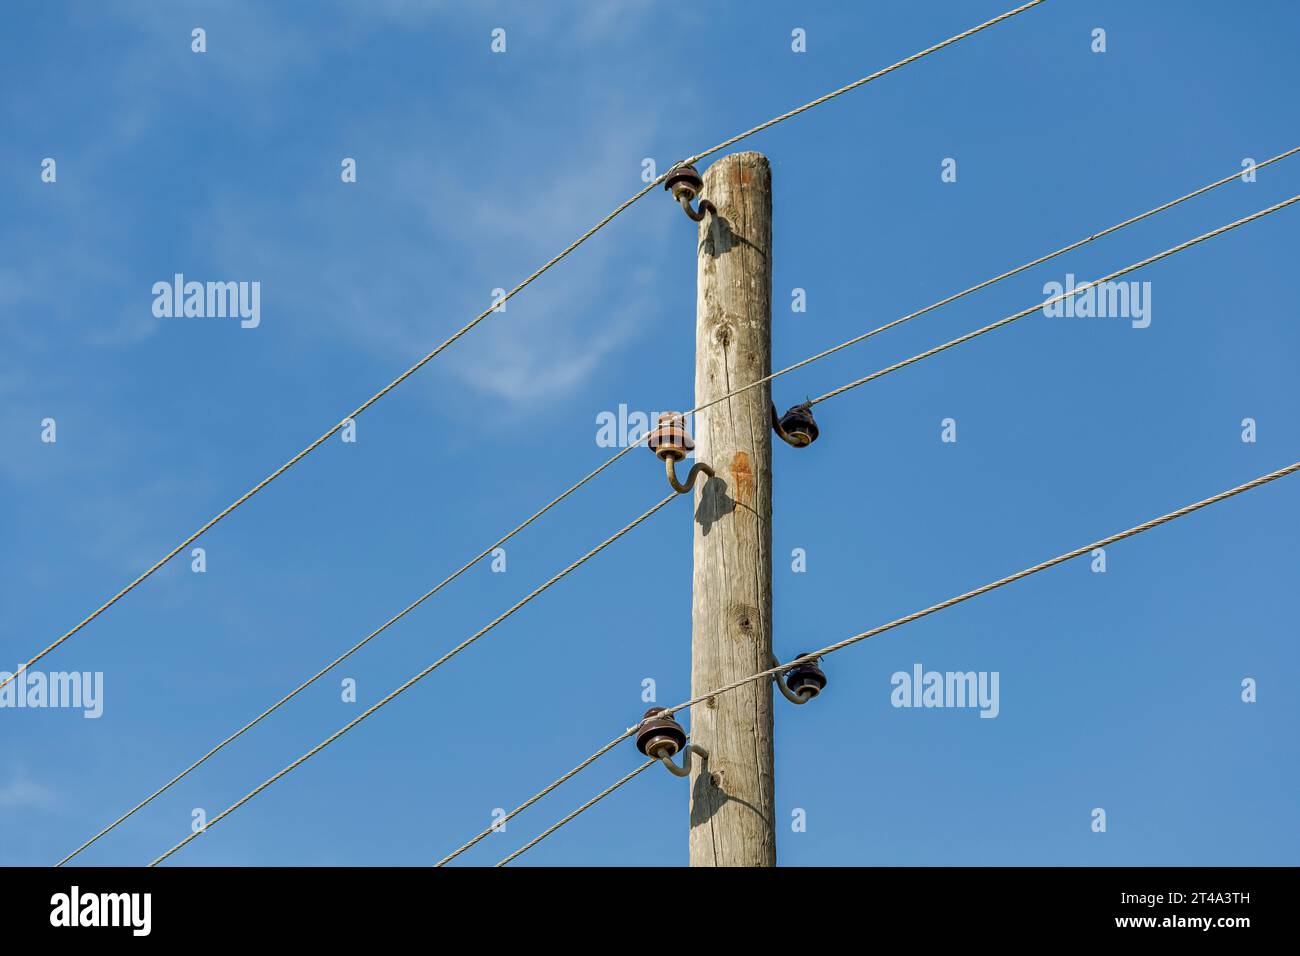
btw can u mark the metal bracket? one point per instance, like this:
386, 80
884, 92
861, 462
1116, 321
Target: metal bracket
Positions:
684, 487
697, 215
685, 769
786, 692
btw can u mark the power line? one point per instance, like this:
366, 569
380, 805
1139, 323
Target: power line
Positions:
1058, 298
428, 357
323, 438
334, 663
420, 676
948, 300
582, 809
898, 622
538, 795
1016, 271
1001, 582
856, 83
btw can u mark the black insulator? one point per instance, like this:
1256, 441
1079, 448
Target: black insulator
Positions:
797, 427
807, 679
659, 736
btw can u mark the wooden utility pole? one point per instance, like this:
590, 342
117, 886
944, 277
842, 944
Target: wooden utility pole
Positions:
732, 794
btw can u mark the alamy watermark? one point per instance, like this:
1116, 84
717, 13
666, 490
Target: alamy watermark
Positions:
1101, 300
209, 300
922, 688
128, 910
75, 690
622, 428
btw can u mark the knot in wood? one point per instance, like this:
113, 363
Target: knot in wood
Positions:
744, 620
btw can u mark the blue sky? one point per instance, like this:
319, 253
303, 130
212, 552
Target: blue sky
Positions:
1118, 690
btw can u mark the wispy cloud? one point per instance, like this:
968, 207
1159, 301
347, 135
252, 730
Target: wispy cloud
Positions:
21, 791
443, 216
450, 214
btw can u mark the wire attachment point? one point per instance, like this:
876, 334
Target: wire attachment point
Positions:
802, 682
685, 183
796, 427
685, 769
661, 738
671, 442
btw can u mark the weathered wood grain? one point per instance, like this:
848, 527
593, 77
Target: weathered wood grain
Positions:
732, 800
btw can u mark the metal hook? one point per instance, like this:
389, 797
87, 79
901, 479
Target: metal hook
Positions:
685, 769
776, 424
683, 488
705, 207
671, 442
786, 692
